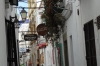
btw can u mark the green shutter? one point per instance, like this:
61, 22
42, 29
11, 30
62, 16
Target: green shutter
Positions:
60, 45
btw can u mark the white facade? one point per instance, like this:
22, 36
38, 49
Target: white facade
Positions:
48, 55
3, 13
88, 10
3, 53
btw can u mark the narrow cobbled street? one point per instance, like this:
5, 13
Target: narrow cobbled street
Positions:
50, 33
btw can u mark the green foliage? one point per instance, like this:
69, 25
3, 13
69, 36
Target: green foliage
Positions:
52, 19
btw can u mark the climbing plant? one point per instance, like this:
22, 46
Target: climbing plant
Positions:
51, 17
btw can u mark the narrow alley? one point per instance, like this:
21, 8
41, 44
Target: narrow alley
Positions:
50, 33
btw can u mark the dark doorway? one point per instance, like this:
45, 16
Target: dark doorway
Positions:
90, 44
11, 44
66, 53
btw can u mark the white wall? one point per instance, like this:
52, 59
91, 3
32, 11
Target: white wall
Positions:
3, 54
48, 55
10, 12
74, 29
90, 9
38, 16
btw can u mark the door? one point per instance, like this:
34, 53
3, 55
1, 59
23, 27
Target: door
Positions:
90, 44
66, 53
65, 45
11, 44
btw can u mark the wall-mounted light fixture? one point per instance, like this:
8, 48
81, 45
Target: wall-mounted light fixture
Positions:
16, 21
23, 14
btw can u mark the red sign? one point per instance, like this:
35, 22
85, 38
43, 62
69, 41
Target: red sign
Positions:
42, 29
42, 45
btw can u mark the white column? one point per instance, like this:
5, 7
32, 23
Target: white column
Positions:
3, 52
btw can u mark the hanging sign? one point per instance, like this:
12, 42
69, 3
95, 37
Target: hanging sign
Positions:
30, 37
42, 29
22, 49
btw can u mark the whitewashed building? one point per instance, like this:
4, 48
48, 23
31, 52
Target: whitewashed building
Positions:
81, 34
6, 11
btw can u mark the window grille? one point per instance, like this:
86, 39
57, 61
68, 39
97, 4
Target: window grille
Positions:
12, 47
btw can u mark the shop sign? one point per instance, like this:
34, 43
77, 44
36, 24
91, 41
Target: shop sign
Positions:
22, 49
30, 37
42, 29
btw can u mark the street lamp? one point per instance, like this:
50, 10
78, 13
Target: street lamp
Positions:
23, 14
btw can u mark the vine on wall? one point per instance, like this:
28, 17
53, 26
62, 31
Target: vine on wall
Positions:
52, 18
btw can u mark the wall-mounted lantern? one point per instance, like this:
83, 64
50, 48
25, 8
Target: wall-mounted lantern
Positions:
16, 21
23, 14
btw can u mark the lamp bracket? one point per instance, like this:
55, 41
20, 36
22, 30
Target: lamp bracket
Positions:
13, 17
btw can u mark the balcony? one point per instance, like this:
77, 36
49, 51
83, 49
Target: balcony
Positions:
67, 13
